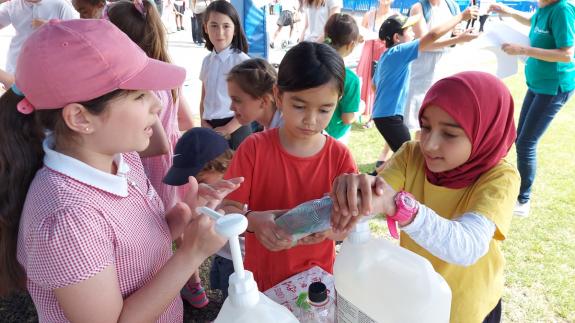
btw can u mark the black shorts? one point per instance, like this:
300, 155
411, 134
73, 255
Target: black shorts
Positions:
180, 9
285, 18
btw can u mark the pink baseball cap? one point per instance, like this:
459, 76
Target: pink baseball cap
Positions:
79, 60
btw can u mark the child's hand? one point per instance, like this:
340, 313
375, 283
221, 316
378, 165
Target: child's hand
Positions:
210, 195
467, 36
471, 12
344, 194
38, 23
315, 238
200, 238
267, 232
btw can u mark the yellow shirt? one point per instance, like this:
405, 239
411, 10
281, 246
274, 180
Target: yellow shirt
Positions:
475, 289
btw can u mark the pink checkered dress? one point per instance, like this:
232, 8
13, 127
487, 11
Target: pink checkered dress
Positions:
72, 227
157, 166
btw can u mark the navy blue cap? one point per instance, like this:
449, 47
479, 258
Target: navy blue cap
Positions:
193, 151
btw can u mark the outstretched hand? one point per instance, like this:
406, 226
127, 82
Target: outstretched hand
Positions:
210, 195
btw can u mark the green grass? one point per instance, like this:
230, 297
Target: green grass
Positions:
540, 249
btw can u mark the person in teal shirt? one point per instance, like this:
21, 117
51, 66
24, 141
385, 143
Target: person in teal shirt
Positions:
550, 75
341, 33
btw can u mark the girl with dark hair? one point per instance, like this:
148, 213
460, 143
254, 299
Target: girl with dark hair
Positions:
226, 39
342, 33
80, 226
294, 163
250, 85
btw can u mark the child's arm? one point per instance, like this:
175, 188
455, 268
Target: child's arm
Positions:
185, 119
428, 42
99, 299
159, 144
204, 123
6, 79
229, 127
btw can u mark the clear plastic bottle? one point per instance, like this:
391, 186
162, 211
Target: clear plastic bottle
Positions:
319, 307
307, 218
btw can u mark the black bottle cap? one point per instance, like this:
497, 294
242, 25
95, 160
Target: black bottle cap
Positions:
317, 292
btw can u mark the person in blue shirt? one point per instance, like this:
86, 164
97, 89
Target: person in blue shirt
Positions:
391, 78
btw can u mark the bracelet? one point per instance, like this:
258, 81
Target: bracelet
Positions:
246, 215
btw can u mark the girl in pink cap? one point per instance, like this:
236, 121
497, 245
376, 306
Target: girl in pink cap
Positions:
81, 227
142, 23
452, 193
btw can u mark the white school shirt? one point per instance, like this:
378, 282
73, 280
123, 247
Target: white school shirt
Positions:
78, 220
213, 74
20, 14
317, 17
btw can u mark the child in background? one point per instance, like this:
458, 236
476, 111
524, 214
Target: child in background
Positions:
294, 163
204, 154
89, 9
456, 190
391, 77
142, 23
89, 233
250, 86
25, 16
226, 40
342, 33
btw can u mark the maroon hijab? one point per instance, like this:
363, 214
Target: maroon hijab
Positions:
483, 106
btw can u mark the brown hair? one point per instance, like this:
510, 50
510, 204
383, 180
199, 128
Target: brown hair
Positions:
21, 155
146, 30
341, 30
239, 42
254, 76
219, 164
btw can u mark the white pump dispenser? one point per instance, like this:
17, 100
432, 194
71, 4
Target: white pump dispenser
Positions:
244, 303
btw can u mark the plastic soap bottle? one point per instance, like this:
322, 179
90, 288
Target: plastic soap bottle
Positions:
317, 306
378, 281
245, 304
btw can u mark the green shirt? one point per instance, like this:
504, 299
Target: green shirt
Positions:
552, 27
348, 103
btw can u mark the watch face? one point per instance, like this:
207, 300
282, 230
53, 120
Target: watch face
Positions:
408, 202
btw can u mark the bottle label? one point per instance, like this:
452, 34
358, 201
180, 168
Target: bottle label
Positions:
349, 313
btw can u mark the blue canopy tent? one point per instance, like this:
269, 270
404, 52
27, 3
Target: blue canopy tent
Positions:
253, 16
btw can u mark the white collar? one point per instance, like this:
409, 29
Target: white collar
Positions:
82, 172
224, 54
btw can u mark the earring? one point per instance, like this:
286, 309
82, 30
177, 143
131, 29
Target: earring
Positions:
87, 129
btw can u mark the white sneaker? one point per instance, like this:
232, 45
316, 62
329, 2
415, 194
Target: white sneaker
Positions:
522, 209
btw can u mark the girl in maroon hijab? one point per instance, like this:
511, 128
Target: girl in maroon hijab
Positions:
452, 193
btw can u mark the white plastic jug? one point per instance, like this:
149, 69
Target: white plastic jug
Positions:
377, 281
245, 304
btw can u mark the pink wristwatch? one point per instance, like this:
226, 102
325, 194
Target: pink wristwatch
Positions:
406, 207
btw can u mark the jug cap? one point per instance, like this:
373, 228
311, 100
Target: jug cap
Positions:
317, 292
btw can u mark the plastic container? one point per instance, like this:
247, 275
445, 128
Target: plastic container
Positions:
307, 218
378, 281
317, 307
245, 303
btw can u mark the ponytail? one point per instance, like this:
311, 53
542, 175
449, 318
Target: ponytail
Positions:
21, 156
144, 26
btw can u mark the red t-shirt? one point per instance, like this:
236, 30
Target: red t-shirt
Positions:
275, 180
